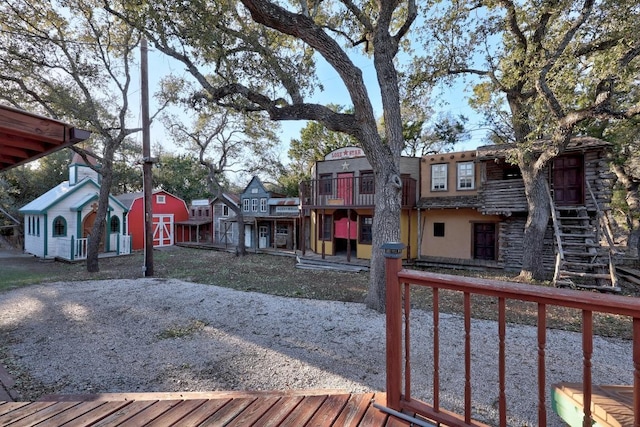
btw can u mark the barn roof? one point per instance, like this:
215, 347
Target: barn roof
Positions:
25, 136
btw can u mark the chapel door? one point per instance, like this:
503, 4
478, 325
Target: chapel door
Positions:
87, 226
345, 187
568, 180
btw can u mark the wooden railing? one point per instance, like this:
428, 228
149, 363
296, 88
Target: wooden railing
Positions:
401, 283
350, 192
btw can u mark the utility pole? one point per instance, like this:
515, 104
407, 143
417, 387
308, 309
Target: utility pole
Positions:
147, 162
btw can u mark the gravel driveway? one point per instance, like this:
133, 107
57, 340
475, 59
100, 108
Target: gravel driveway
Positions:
150, 335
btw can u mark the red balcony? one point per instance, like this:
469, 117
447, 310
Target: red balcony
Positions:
584, 403
350, 192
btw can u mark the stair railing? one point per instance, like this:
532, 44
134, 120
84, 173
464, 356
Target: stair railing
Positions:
608, 233
556, 231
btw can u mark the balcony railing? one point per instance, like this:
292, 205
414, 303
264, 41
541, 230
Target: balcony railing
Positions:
403, 346
350, 192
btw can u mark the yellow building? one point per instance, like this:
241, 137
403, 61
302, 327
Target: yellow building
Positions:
338, 203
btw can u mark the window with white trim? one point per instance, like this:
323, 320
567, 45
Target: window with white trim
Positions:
161, 199
466, 176
254, 205
263, 205
225, 210
245, 205
439, 177
59, 227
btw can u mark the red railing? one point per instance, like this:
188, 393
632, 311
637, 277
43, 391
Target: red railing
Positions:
350, 191
401, 282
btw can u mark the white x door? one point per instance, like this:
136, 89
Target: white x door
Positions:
162, 230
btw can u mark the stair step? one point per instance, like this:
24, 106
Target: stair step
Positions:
565, 273
585, 264
583, 244
571, 208
581, 235
583, 254
572, 218
575, 227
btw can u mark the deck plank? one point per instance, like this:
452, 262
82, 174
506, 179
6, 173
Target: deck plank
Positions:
254, 411
228, 411
354, 410
375, 417
329, 410
177, 413
278, 412
46, 413
152, 412
278, 409
202, 412
23, 412
118, 417
6, 407
304, 411
75, 414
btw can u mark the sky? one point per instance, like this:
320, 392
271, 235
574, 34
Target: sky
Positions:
334, 92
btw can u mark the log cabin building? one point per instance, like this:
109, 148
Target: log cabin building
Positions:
473, 211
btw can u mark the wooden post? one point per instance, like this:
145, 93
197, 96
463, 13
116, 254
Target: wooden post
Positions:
147, 162
393, 256
636, 371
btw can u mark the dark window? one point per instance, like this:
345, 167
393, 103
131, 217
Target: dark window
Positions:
326, 183
59, 227
367, 183
324, 227
366, 233
114, 226
512, 173
206, 212
438, 229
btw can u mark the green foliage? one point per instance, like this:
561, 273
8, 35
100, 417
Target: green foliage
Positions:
181, 175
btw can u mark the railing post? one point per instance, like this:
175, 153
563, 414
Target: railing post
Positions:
393, 256
73, 249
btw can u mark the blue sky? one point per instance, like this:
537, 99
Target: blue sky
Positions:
334, 92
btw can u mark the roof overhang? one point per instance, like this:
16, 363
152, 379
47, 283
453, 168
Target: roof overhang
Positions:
25, 136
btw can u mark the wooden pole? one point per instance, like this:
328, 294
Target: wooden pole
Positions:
147, 163
393, 264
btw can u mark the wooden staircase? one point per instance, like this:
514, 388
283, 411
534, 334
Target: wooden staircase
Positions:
581, 261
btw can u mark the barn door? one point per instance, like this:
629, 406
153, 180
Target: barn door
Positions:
162, 230
568, 174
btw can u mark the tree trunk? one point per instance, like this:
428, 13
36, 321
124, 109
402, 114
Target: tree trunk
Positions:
93, 246
632, 198
386, 228
539, 207
241, 249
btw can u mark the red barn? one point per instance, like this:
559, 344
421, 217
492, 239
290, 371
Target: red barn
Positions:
167, 209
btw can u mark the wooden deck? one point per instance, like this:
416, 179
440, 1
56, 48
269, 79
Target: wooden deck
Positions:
305, 408
611, 405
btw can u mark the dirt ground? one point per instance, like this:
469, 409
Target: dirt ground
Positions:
277, 275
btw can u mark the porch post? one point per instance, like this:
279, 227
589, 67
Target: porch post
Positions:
393, 264
348, 235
